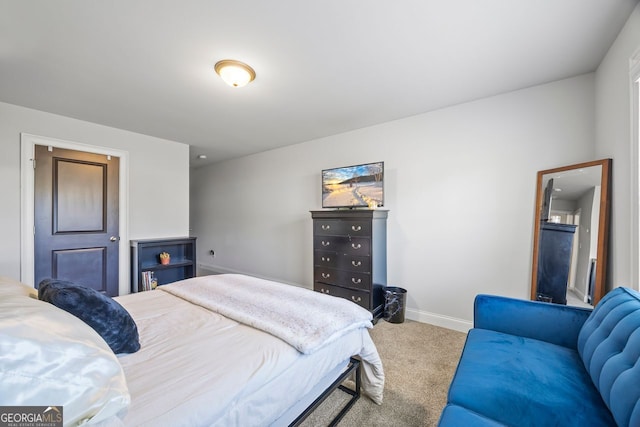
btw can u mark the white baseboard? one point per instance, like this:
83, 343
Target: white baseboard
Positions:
419, 316
439, 320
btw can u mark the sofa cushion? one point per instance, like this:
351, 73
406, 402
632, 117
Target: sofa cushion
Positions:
456, 416
525, 382
531, 319
609, 344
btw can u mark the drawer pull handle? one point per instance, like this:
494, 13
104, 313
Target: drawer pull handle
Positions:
322, 290
356, 245
356, 281
354, 299
325, 226
326, 259
326, 275
356, 227
356, 263
324, 243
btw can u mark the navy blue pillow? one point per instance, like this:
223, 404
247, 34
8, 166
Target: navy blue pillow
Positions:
102, 313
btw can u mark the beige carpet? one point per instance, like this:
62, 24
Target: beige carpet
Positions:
419, 361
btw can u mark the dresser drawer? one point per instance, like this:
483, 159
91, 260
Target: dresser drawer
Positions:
336, 227
342, 244
362, 298
350, 279
342, 261
326, 258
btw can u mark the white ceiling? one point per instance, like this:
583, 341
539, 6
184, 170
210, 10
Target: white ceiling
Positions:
323, 67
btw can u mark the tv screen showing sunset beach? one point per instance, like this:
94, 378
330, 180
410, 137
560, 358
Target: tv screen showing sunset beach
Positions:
353, 186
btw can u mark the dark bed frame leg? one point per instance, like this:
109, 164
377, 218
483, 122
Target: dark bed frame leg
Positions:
354, 365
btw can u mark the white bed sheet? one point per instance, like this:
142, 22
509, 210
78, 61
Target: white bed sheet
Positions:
196, 367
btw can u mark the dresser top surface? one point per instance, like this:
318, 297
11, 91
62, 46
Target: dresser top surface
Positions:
350, 213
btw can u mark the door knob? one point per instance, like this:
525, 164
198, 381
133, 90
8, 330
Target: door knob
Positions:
113, 239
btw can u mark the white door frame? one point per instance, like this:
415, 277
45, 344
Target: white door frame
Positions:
27, 192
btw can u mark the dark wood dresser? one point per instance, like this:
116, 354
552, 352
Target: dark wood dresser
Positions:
350, 255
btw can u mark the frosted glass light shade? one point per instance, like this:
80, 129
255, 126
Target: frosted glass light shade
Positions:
235, 73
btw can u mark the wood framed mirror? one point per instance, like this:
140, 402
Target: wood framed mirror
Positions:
571, 234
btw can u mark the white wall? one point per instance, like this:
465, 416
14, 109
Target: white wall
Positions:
154, 210
614, 140
460, 187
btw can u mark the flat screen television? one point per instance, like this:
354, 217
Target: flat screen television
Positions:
353, 186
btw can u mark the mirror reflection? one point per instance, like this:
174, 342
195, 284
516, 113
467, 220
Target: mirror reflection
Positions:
570, 234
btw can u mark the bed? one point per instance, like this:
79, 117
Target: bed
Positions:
214, 350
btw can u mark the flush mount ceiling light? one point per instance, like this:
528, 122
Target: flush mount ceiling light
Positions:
235, 73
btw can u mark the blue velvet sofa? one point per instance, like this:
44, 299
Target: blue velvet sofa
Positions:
529, 363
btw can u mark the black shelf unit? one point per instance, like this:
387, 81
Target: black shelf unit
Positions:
144, 257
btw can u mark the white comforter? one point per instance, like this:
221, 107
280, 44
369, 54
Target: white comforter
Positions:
197, 367
306, 320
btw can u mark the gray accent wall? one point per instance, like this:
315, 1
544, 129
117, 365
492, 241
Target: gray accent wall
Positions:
459, 185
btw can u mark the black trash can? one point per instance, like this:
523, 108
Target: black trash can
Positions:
395, 301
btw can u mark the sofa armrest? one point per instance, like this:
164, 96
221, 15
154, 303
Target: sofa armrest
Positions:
553, 323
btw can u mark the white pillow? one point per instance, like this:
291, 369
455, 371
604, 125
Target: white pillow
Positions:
49, 357
9, 286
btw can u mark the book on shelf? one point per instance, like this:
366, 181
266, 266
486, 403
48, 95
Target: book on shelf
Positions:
149, 281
